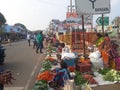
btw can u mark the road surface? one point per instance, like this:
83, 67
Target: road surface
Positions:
24, 63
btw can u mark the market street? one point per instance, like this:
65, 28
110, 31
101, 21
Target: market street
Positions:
24, 63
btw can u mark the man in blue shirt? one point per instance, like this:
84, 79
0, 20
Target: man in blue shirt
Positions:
39, 40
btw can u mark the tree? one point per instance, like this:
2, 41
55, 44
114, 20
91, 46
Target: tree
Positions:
2, 19
19, 24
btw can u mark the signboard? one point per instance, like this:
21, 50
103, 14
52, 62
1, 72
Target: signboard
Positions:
87, 19
71, 14
99, 21
92, 6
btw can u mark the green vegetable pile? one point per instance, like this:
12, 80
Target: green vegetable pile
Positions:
79, 79
46, 65
112, 75
104, 71
40, 85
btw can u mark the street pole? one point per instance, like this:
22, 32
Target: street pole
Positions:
83, 37
103, 24
118, 27
92, 30
71, 6
118, 23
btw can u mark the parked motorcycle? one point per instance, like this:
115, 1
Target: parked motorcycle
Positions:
2, 55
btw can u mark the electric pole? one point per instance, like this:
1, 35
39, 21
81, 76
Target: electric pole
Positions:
70, 5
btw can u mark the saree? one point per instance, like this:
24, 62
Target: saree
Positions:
102, 48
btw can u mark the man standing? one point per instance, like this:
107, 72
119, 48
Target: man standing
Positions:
39, 40
28, 38
34, 41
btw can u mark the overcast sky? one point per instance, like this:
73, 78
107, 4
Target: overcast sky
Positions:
36, 14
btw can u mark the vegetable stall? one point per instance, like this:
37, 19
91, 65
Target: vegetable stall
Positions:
85, 73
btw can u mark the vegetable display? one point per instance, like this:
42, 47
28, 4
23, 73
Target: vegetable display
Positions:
104, 71
46, 76
90, 79
52, 60
112, 76
46, 65
79, 79
40, 85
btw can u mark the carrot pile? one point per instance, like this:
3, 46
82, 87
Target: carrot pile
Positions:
50, 59
46, 75
71, 68
84, 61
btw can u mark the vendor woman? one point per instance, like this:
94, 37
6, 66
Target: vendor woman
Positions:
103, 47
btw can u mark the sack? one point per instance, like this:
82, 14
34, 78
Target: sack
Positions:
69, 85
95, 55
68, 55
97, 63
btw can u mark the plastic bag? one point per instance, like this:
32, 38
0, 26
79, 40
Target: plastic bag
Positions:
97, 63
69, 55
95, 54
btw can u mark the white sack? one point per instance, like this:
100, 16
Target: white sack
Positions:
95, 55
97, 63
68, 55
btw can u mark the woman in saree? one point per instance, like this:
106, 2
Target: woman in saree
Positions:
103, 44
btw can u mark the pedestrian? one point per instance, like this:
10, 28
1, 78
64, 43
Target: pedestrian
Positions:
34, 41
42, 39
28, 38
9, 40
39, 39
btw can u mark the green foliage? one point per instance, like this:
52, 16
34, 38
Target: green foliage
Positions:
19, 24
79, 79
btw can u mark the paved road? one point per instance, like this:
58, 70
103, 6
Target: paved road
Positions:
24, 63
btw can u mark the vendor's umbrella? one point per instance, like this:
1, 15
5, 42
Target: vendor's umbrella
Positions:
2, 19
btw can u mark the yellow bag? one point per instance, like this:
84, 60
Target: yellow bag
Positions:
87, 87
